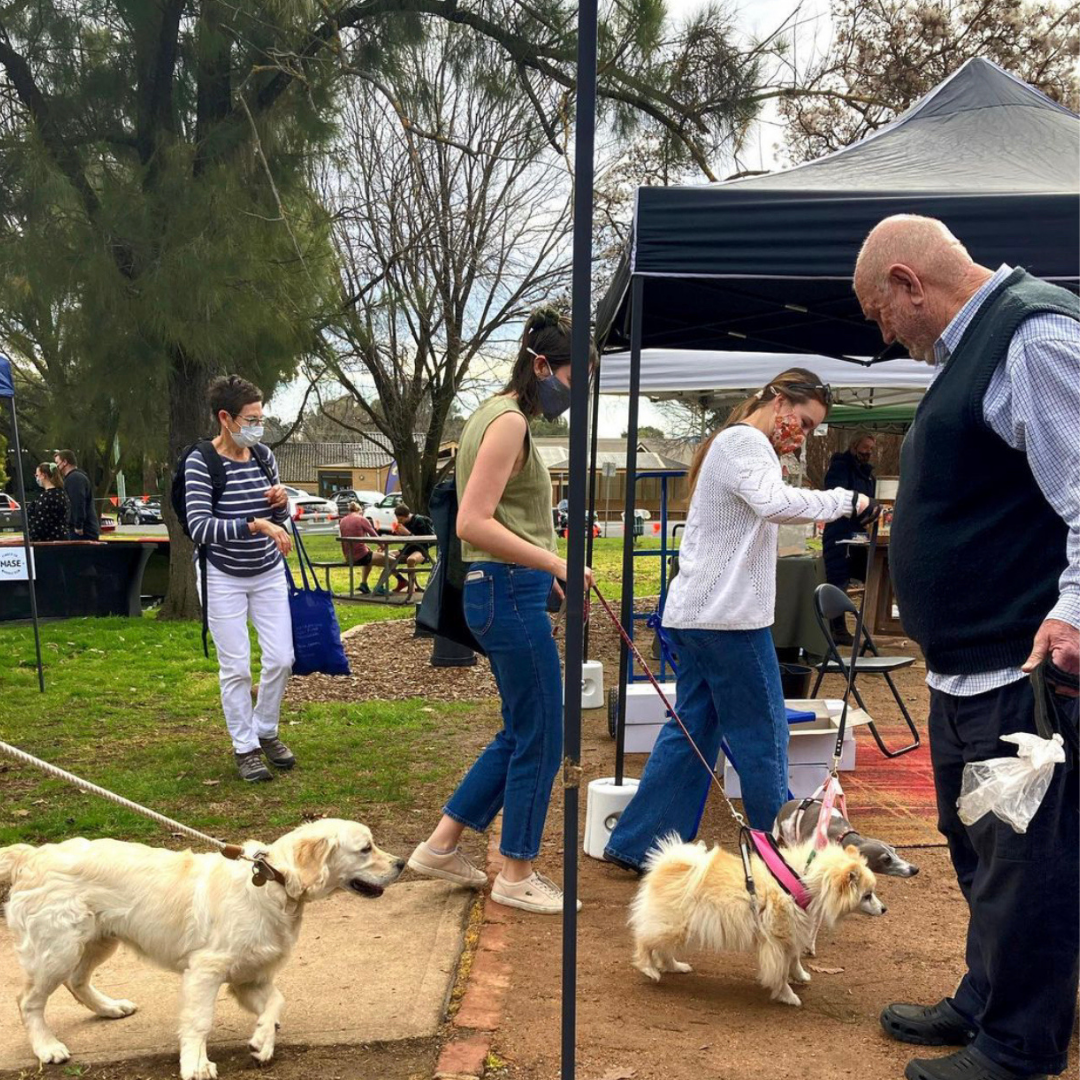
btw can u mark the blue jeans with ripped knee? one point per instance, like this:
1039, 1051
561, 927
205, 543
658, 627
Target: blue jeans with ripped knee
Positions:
728, 686
506, 609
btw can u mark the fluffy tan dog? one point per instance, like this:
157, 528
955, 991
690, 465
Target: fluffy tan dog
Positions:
696, 897
201, 916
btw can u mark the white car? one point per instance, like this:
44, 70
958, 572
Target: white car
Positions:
381, 515
308, 510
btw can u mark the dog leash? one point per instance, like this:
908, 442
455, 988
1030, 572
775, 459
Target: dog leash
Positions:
750, 840
261, 870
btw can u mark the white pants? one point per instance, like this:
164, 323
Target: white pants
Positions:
231, 601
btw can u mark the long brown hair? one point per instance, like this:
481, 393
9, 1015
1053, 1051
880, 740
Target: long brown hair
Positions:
792, 384
547, 333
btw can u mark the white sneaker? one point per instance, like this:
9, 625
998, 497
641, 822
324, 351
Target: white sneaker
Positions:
450, 866
536, 893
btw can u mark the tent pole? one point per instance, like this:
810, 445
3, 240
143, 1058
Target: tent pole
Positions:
592, 484
26, 539
580, 349
637, 289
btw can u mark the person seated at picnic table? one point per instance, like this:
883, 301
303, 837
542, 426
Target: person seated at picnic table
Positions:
407, 524
47, 515
355, 524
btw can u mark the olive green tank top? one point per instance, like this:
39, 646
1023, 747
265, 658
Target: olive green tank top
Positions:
525, 506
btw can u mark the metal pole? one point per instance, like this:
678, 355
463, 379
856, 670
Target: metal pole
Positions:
585, 130
636, 294
26, 539
592, 484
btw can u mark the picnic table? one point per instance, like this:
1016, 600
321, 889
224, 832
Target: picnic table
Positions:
390, 566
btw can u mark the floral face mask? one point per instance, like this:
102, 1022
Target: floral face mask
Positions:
787, 434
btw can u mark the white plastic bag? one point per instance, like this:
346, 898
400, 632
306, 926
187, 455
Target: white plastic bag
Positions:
1013, 788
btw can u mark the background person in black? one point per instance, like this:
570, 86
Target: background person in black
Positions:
83, 520
411, 524
850, 469
48, 513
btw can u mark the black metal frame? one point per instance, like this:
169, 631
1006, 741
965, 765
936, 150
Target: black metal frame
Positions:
842, 667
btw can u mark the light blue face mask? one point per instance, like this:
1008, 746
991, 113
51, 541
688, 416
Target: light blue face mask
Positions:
554, 394
248, 435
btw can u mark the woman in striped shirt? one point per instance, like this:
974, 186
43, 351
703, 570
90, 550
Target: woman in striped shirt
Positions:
245, 543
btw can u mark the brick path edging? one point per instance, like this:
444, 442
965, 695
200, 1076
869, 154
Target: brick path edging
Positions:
465, 1054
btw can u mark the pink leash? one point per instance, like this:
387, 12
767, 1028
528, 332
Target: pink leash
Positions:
763, 844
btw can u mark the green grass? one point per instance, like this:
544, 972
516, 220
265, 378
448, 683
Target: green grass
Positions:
132, 705
607, 562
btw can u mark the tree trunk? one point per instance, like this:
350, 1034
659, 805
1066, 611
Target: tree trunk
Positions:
187, 419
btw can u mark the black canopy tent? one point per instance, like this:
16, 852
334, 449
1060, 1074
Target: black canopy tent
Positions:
764, 264
771, 257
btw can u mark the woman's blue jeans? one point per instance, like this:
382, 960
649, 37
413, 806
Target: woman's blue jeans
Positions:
728, 686
506, 609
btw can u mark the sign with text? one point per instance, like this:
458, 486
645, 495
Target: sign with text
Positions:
13, 564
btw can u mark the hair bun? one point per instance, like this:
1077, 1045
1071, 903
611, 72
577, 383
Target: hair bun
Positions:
544, 317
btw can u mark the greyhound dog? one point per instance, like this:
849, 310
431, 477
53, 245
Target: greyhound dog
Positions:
795, 825
797, 820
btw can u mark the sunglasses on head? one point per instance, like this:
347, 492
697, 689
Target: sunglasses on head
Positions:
811, 388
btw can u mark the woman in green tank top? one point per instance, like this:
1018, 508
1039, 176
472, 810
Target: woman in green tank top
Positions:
507, 534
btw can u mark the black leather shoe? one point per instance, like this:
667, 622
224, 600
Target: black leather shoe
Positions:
966, 1064
927, 1025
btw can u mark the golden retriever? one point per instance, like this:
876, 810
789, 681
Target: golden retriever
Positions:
201, 916
695, 897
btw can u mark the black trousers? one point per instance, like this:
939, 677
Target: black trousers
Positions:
1023, 890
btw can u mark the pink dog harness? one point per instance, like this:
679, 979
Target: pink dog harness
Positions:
767, 850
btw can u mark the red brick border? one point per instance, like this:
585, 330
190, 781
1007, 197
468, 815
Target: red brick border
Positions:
464, 1055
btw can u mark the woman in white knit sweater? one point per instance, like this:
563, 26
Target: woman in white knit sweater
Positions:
718, 614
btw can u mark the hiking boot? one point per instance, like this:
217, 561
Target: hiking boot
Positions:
966, 1064
252, 767
536, 893
928, 1025
277, 753
840, 633
448, 865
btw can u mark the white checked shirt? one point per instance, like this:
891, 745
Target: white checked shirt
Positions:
1033, 403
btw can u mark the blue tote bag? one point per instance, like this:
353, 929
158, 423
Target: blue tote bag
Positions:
316, 636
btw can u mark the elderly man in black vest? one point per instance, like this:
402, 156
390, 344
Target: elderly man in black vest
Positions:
985, 555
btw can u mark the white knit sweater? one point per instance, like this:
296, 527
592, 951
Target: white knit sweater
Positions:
727, 559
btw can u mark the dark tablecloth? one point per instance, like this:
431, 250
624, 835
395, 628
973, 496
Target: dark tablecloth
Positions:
797, 576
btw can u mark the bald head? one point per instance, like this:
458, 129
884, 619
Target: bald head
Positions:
912, 277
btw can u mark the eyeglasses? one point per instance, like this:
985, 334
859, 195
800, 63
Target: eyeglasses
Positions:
809, 388
248, 421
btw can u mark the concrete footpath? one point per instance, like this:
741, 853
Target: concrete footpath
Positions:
362, 971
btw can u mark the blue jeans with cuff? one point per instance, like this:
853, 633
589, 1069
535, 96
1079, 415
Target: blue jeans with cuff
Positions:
728, 686
506, 609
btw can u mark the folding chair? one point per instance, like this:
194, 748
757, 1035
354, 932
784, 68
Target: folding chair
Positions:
832, 603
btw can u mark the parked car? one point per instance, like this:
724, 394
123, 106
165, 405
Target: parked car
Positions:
381, 515
137, 512
10, 512
310, 509
364, 498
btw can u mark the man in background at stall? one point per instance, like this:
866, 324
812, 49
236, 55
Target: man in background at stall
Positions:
82, 519
985, 559
850, 469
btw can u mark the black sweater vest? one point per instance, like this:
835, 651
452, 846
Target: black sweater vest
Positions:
976, 550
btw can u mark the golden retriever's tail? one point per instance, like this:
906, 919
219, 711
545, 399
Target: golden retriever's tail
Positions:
11, 860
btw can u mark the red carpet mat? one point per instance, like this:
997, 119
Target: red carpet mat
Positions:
892, 799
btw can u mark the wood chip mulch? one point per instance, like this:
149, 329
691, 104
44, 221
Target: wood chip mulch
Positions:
389, 664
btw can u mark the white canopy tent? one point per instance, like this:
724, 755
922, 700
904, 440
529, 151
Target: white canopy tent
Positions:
697, 373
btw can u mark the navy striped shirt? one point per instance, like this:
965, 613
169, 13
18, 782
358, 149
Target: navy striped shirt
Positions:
230, 544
